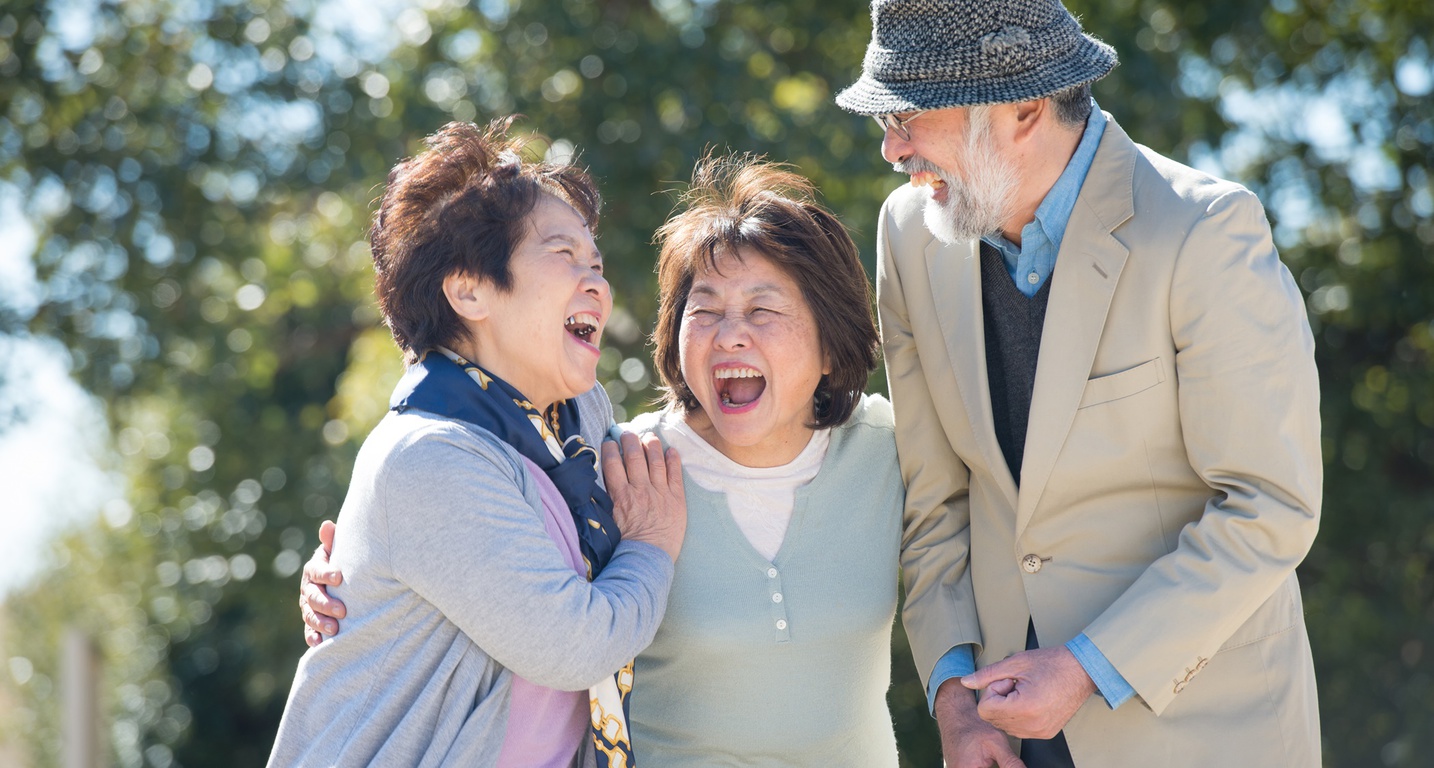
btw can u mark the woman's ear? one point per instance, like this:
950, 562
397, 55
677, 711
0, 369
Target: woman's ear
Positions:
469, 295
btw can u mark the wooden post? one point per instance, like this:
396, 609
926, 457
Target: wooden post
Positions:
80, 688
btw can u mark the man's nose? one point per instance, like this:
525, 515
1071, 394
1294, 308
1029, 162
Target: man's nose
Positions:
895, 149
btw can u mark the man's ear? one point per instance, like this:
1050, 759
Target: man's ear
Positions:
1029, 115
469, 295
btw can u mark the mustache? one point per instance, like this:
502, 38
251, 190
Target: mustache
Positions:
917, 164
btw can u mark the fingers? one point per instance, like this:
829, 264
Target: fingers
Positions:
639, 462
327, 529
1003, 687
1008, 759
315, 605
674, 472
317, 599
612, 472
313, 625
982, 678
656, 463
1023, 714
995, 703
318, 571
328, 605
634, 458
624, 461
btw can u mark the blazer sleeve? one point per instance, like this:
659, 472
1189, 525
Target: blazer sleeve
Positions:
940, 608
1249, 412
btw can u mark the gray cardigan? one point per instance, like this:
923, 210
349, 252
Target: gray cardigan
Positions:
453, 586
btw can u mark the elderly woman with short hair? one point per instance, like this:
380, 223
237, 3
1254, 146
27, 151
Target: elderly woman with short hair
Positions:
495, 605
776, 648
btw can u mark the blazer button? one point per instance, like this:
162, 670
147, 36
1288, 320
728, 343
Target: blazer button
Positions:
1031, 563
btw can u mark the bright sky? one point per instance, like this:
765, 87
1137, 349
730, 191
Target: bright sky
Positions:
48, 459
51, 476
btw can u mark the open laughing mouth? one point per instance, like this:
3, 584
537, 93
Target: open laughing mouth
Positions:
739, 387
584, 326
927, 179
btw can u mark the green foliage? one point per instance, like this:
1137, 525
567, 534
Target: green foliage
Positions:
199, 175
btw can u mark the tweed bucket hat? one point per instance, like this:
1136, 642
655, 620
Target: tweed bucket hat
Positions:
930, 54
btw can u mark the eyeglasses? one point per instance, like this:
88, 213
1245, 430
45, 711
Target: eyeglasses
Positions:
896, 124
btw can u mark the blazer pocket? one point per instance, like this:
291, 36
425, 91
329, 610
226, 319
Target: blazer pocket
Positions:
1130, 381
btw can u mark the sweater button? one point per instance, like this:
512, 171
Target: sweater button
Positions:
771, 573
781, 623
777, 597
1031, 563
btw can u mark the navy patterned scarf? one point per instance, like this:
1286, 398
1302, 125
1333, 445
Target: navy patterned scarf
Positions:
447, 385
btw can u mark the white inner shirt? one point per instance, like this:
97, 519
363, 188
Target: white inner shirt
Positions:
761, 498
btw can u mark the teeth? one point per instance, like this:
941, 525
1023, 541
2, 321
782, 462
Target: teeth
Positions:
585, 318
738, 373
927, 178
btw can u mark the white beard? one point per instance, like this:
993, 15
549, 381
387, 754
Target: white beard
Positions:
979, 202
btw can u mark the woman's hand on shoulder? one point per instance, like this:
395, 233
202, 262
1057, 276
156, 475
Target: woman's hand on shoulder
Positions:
321, 611
645, 482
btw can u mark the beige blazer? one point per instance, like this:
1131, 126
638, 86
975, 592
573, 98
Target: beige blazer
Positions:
1171, 478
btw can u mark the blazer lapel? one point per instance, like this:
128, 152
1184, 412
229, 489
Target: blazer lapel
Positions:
1087, 269
955, 274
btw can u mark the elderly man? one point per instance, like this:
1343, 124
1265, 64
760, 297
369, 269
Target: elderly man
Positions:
1106, 409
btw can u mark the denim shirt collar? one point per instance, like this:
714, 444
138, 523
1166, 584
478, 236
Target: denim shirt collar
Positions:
1041, 237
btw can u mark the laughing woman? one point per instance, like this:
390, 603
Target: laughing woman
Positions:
776, 647
489, 586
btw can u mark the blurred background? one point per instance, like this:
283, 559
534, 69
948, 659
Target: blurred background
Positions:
190, 353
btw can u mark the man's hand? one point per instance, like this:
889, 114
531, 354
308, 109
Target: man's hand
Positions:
1032, 694
315, 605
967, 741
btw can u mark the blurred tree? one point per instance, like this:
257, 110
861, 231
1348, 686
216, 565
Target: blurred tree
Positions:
1323, 109
199, 176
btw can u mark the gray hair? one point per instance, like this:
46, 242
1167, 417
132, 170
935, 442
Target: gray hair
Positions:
1072, 105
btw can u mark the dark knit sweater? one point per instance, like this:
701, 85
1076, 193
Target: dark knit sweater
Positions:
1013, 341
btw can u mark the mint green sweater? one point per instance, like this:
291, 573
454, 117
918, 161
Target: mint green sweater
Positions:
782, 663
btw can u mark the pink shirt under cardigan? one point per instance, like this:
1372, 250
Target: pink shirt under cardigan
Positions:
546, 726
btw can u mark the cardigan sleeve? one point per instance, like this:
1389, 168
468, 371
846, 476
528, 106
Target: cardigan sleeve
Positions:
466, 534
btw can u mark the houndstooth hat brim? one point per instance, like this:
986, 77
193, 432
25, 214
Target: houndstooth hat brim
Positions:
930, 54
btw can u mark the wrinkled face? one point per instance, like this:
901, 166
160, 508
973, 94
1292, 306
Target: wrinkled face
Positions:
542, 335
751, 356
953, 153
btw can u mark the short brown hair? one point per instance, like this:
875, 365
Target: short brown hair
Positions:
744, 201
459, 206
